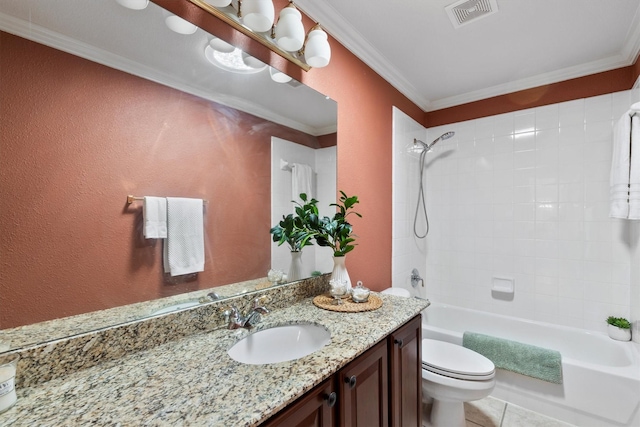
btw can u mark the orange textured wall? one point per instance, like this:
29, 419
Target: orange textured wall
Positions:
77, 137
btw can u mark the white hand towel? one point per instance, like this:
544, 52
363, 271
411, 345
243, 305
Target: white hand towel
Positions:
301, 181
620, 168
184, 247
634, 174
154, 214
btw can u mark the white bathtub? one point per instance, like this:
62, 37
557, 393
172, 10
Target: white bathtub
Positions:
601, 377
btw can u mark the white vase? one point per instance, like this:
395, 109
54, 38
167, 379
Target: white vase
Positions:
295, 269
340, 271
619, 334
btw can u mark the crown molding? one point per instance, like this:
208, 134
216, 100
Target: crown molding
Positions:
532, 82
340, 29
38, 34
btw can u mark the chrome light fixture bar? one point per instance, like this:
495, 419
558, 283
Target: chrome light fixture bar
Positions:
286, 37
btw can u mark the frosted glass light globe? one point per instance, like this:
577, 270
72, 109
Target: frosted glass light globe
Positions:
134, 4
258, 15
221, 45
218, 3
317, 51
278, 76
290, 31
179, 25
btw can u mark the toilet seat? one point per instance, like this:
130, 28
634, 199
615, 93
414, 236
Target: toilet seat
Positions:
455, 361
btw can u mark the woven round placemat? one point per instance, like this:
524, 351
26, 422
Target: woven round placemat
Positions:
348, 306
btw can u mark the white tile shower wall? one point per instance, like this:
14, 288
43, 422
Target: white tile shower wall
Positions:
408, 252
323, 162
326, 161
525, 195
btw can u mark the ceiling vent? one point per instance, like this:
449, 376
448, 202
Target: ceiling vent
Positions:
466, 11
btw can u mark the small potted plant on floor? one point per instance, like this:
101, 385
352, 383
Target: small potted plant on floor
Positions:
619, 328
293, 229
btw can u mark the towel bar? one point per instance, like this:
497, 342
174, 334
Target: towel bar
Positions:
131, 199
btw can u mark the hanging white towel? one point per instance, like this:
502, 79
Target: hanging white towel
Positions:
154, 214
184, 246
301, 181
634, 174
620, 168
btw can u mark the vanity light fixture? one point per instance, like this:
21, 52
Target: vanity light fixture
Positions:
278, 76
179, 25
219, 3
221, 45
252, 62
316, 50
257, 15
289, 31
286, 37
134, 4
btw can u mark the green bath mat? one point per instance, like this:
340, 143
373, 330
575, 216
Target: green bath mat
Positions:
525, 359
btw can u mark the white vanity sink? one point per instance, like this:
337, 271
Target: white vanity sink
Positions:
280, 344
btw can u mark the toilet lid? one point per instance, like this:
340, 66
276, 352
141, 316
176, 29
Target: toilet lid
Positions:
455, 361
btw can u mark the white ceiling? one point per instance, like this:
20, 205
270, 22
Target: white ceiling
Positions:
527, 43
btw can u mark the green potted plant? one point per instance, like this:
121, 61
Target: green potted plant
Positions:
619, 328
337, 233
293, 229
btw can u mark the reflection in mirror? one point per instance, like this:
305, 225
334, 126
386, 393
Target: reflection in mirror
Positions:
78, 137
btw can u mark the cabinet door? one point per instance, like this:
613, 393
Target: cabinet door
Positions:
363, 385
405, 356
314, 409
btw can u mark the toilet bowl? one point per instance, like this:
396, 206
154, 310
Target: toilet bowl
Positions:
452, 375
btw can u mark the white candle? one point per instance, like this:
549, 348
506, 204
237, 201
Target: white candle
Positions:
7, 385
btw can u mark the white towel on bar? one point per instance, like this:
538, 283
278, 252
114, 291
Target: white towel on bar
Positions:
620, 168
301, 180
154, 214
634, 174
184, 247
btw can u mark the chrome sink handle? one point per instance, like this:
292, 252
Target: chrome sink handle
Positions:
236, 320
257, 306
253, 317
232, 317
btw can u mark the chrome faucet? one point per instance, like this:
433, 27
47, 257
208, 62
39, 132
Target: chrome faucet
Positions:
236, 320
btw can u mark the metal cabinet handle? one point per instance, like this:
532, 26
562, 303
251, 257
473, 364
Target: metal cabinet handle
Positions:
351, 381
399, 342
331, 399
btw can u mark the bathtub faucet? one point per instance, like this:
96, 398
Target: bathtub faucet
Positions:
415, 278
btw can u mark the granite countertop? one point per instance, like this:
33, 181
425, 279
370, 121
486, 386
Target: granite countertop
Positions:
192, 381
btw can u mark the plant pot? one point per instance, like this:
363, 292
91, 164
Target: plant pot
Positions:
619, 334
295, 268
340, 271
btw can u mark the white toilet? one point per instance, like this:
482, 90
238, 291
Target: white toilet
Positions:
451, 375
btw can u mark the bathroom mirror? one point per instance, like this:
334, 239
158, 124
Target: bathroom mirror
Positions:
79, 137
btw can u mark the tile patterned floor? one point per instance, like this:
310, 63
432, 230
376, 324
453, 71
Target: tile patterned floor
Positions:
491, 412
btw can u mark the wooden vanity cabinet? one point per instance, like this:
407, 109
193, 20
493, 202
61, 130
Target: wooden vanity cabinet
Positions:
315, 409
380, 388
363, 397
405, 362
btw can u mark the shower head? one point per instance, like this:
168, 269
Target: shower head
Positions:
426, 147
442, 137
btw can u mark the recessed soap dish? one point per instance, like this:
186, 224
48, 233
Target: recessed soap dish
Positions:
503, 285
